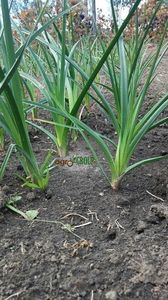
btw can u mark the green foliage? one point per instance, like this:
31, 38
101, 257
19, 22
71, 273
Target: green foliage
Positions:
12, 116
60, 83
66, 76
126, 113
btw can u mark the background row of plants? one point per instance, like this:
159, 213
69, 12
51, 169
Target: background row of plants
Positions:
81, 18
47, 65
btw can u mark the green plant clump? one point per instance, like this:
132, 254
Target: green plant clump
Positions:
66, 82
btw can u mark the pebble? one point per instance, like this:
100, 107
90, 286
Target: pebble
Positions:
53, 258
101, 194
163, 152
49, 194
36, 137
5, 188
141, 226
83, 293
111, 295
138, 237
31, 196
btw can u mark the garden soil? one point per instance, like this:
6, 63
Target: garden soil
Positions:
89, 242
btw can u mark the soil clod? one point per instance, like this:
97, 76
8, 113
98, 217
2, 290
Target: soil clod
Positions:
111, 295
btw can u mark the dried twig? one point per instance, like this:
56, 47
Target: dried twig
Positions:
82, 225
119, 226
154, 196
93, 213
14, 295
74, 214
92, 295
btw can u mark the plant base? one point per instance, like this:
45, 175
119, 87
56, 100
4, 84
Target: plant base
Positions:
115, 184
62, 152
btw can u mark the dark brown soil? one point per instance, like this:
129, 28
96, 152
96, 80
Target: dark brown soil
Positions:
120, 246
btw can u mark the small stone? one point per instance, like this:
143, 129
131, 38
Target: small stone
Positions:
63, 258
138, 237
31, 196
5, 188
141, 226
69, 274
111, 295
138, 293
53, 258
36, 137
83, 293
163, 152
101, 194
122, 201
49, 194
